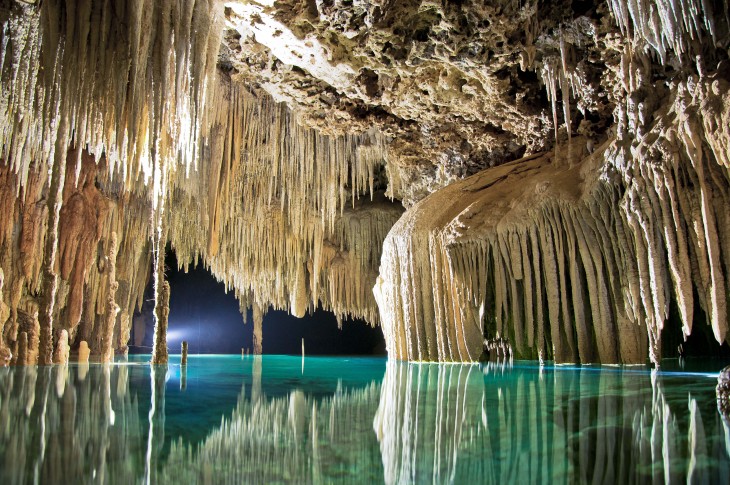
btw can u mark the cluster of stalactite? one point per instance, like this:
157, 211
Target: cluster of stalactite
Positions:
281, 214
115, 121
571, 257
86, 302
578, 256
101, 101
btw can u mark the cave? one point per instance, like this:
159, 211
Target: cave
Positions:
210, 320
376, 241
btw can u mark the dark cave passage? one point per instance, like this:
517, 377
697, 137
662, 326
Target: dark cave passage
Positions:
202, 313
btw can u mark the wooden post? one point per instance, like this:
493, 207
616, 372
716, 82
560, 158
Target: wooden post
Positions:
184, 358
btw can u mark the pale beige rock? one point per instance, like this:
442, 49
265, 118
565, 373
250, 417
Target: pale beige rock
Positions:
83, 357
61, 354
258, 335
112, 309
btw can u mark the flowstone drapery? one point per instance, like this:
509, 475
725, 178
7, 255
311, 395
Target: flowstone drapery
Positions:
572, 256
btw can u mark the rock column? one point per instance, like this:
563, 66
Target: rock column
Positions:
22, 358
112, 309
50, 278
258, 320
60, 356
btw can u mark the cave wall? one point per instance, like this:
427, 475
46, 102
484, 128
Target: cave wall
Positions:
279, 143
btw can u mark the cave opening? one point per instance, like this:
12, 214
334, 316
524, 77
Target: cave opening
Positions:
209, 319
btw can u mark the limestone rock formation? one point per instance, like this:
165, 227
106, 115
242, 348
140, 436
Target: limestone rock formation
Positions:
84, 352
258, 337
279, 141
61, 354
723, 394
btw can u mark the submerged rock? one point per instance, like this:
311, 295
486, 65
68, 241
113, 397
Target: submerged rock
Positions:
723, 393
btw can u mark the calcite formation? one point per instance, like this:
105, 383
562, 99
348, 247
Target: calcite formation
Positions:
563, 168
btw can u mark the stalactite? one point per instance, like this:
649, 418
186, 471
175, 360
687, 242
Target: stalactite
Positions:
110, 318
50, 278
288, 202
666, 25
132, 114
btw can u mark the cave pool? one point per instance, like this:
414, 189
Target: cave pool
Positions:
284, 419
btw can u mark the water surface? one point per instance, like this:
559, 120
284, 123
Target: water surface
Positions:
278, 419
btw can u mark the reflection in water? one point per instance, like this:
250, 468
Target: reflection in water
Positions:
452, 423
61, 423
423, 424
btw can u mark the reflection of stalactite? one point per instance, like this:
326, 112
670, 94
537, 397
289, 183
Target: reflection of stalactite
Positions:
454, 392
456, 423
451, 424
156, 434
283, 440
57, 428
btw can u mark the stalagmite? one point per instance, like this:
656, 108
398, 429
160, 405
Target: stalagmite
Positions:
162, 311
84, 351
112, 309
61, 354
258, 338
5, 353
22, 358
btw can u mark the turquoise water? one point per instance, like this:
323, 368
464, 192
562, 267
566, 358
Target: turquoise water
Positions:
278, 419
